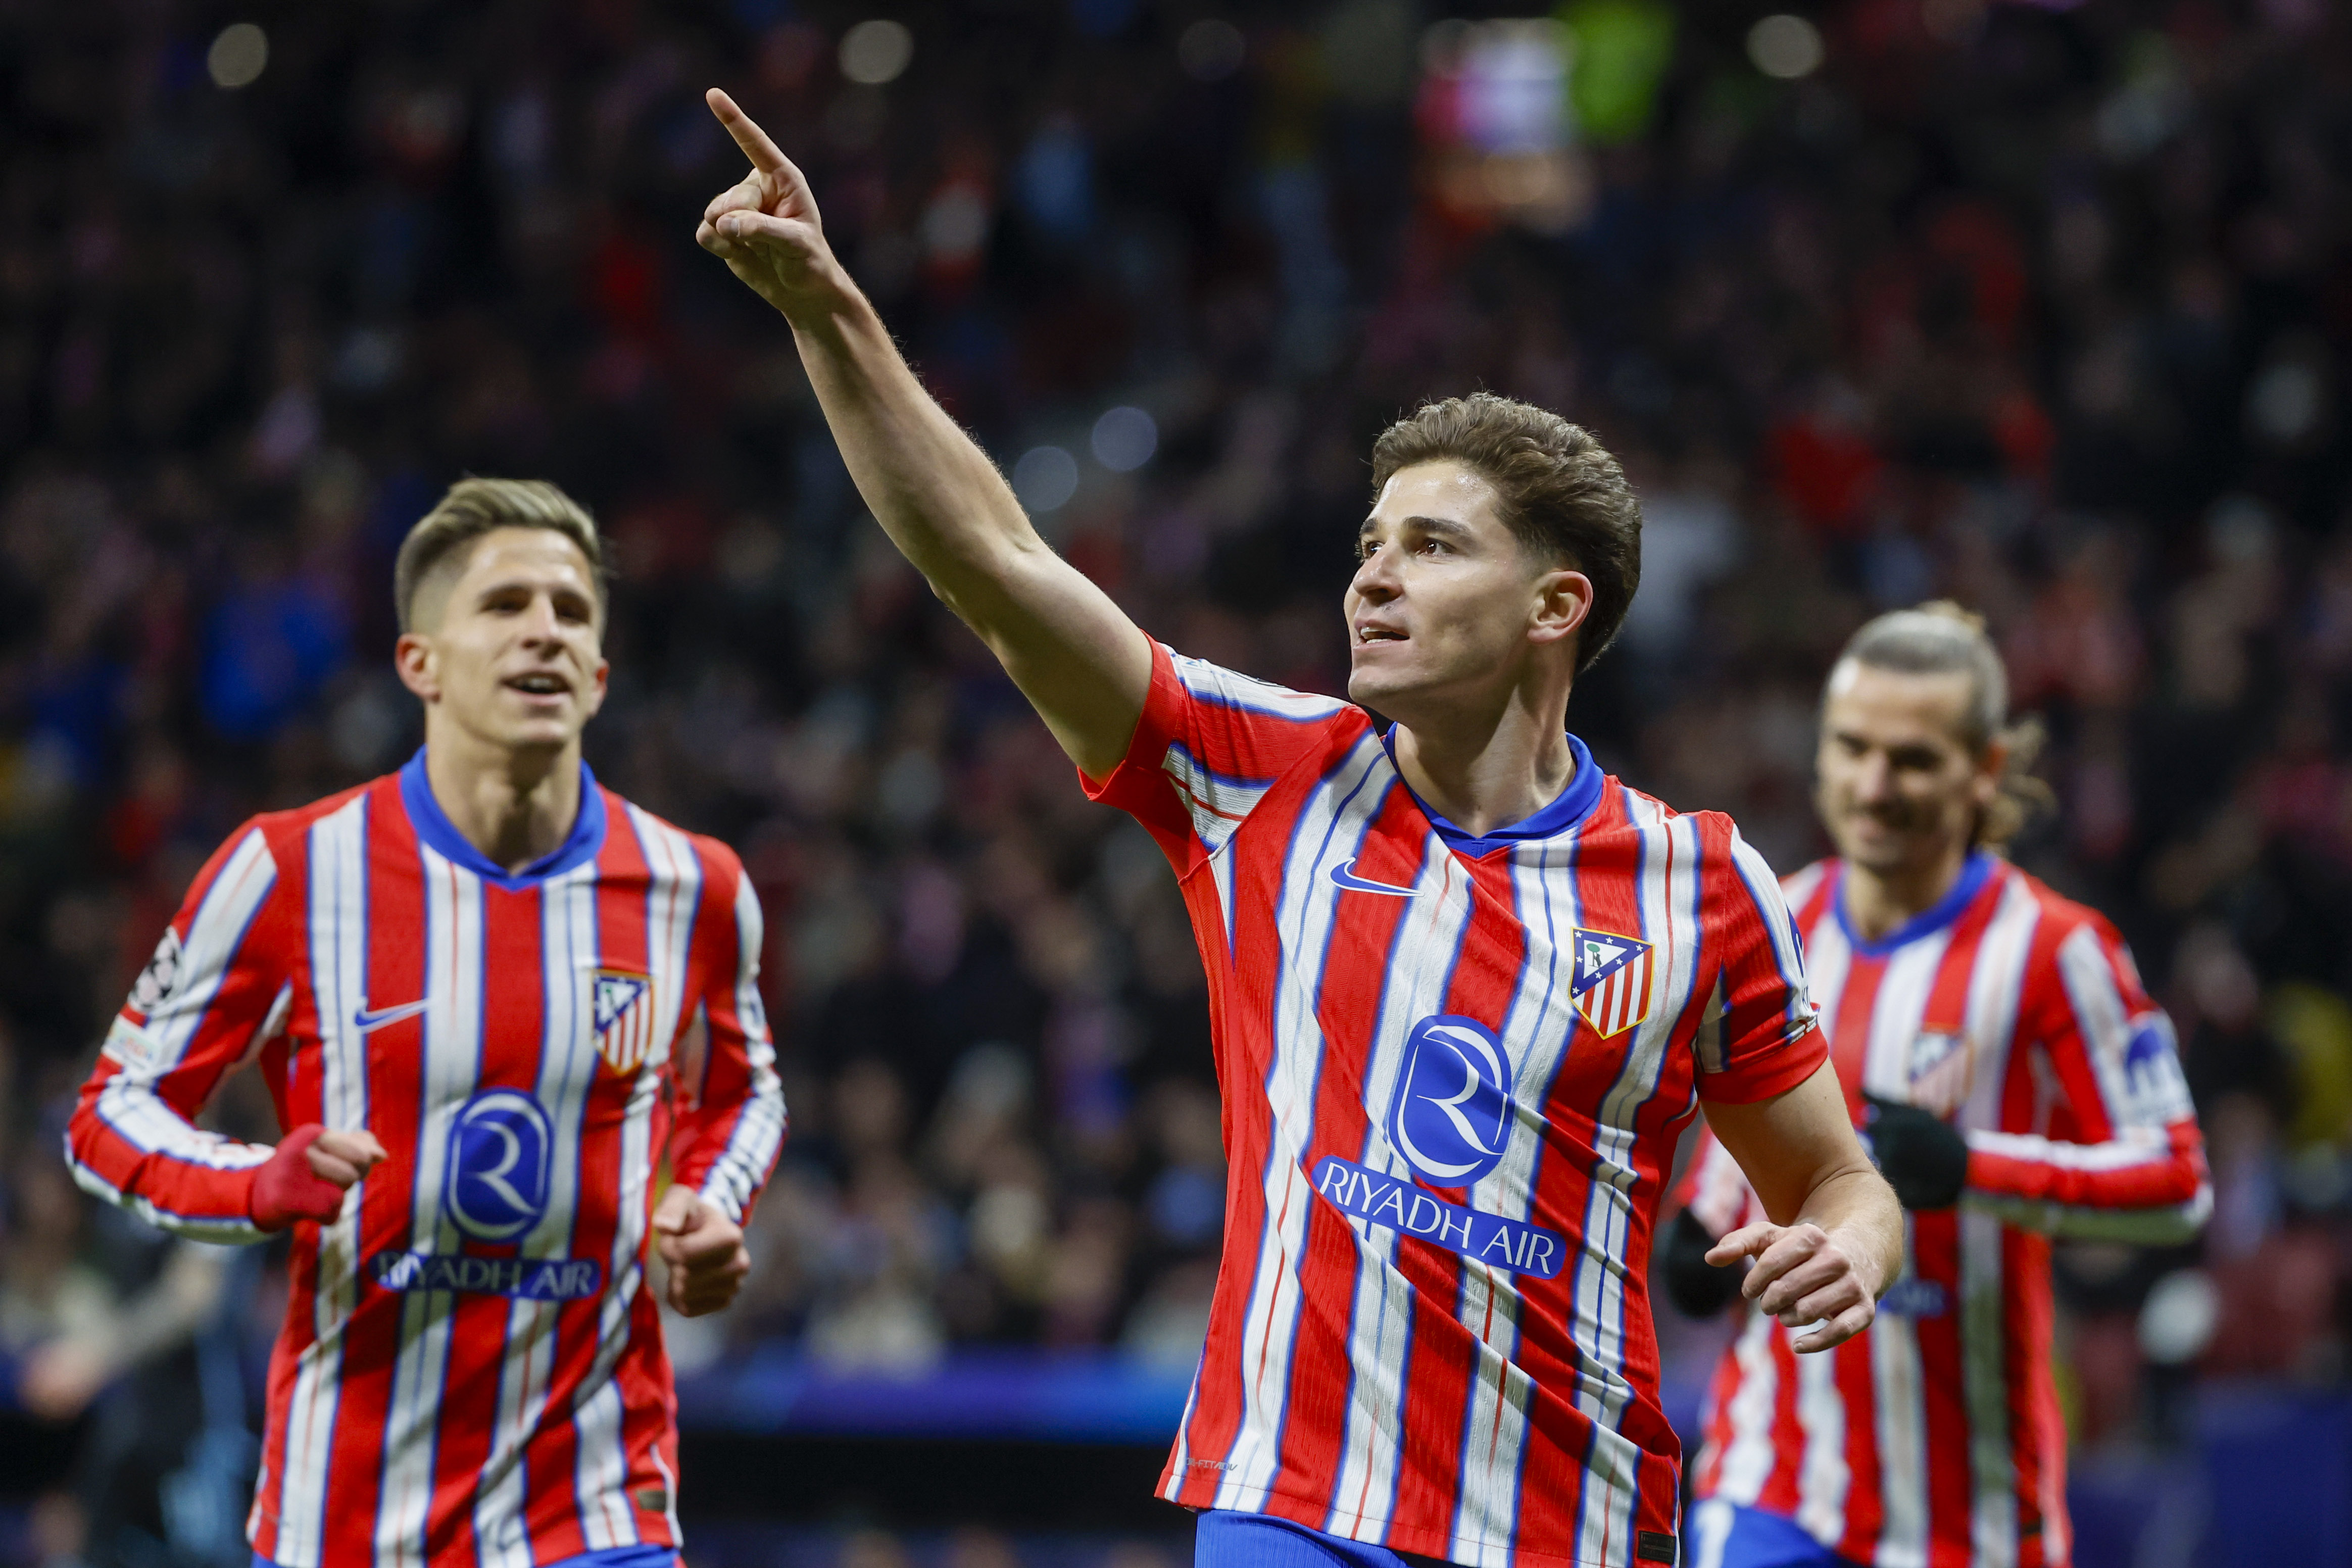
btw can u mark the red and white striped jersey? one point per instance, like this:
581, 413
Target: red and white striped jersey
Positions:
1934, 1439
471, 1366
1454, 1070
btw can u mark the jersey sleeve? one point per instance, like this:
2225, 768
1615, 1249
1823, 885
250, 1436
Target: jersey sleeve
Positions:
2123, 1159
1758, 1037
220, 985
730, 1104
1209, 746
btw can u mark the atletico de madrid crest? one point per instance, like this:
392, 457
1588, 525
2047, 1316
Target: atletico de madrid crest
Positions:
1611, 987
623, 1018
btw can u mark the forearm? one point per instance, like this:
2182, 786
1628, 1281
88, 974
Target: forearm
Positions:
1857, 1209
2146, 1185
934, 491
132, 1147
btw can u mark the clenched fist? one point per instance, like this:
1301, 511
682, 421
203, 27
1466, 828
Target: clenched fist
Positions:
704, 1250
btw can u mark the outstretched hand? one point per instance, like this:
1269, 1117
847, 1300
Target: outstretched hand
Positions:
1803, 1276
765, 227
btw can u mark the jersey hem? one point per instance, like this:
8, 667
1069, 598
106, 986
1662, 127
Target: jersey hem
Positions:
1420, 1542
1788, 1066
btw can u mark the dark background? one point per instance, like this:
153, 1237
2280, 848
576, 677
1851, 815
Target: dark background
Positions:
2045, 308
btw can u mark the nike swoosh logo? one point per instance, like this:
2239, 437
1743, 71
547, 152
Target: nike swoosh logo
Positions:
368, 1023
1343, 875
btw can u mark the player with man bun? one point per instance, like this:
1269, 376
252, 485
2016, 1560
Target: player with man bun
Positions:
2016, 1084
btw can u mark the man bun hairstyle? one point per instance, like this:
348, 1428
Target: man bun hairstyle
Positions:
443, 538
1563, 496
1941, 637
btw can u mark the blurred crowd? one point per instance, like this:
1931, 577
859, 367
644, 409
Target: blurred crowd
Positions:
2045, 308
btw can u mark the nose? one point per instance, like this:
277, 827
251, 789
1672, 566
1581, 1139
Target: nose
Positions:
1873, 779
539, 623
1375, 578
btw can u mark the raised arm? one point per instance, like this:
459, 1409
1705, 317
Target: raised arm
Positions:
1081, 662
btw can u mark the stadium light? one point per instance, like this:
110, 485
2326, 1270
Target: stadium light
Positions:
238, 56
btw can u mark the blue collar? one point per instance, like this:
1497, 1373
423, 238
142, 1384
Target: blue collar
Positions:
434, 827
1974, 872
1567, 811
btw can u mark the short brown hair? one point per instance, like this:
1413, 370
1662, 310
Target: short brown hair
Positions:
1943, 637
476, 507
1564, 497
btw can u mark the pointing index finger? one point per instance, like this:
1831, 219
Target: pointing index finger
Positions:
764, 154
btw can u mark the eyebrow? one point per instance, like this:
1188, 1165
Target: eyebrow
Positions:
1430, 524
529, 586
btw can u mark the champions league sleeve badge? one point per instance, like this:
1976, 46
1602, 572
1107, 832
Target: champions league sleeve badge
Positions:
1612, 982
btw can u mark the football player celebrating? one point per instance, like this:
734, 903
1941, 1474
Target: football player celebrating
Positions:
1466, 989
488, 996
2017, 1084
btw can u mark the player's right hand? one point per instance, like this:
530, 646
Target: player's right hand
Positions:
765, 227
308, 1174
1807, 1278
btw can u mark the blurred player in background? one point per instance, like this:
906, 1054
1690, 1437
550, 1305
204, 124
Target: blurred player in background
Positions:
2016, 1084
477, 987
1467, 990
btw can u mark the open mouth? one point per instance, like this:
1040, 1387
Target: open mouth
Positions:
539, 685
1378, 634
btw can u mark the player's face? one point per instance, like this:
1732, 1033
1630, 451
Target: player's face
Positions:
1445, 601
1898, 787
516, 658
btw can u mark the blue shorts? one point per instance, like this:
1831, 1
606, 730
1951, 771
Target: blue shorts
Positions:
1720, 1534
1223, 1538
611, 1557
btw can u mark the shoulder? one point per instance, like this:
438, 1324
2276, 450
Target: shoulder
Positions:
2058, 920
1800, 887
671, 852
282, 836
1217, 687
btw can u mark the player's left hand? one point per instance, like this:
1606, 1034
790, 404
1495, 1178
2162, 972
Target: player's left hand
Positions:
1922, 1157
1804, 1275
703, 1249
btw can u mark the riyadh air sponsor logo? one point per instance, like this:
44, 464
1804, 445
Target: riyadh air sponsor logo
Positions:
1343, 875
367, 1022
1506, 1243
1612, 985
623, 1018
530, 1278
1450, 1115
1912, 1297
499, 1153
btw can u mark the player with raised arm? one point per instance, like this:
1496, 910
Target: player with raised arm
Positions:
489, 997
2017, 1084
1466, 990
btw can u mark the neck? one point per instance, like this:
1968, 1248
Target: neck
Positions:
515, 806
1483, 768
1879, 901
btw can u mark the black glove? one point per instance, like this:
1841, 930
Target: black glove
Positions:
1696, 1288
1922, 1157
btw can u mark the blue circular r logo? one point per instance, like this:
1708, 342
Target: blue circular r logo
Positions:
498, 1157
1452, 1114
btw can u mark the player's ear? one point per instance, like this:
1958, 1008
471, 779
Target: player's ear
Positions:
596, 696
1992, 763
1563, 599
412, 655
